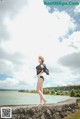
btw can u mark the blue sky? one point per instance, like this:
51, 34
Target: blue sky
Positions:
4, 76
29, 29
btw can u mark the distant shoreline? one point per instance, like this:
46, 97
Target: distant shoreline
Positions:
70, 90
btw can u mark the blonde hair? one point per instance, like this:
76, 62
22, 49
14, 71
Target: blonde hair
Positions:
42, 59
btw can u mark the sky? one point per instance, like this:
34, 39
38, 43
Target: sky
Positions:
29, 29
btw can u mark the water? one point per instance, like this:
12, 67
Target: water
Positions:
22, 98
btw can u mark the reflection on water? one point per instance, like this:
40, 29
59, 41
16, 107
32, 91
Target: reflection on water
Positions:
19, 98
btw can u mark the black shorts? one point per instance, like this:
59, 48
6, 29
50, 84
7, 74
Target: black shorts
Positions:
42, 77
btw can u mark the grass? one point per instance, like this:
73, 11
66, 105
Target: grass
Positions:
76, 115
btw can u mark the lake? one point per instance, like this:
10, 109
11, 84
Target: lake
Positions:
22, 98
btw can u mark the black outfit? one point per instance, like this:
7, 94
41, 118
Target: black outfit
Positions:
39, 69
42, 77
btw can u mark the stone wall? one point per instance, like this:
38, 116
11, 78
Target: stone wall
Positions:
52, 111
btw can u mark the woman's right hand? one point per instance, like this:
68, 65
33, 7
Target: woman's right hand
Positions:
42, 66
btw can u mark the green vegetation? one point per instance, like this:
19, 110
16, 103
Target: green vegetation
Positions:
73, 91
50, 92
28, 91
8, 90
65, 88
76, 115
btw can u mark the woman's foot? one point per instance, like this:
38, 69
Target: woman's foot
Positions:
45, 101
40, 104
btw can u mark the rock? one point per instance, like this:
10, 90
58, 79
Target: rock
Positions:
58, 111
69, 109
52, 109
34, 116
31, 112
43, 116
19, 111
62, 115
67, 113
73, 110
56, 116
47, 112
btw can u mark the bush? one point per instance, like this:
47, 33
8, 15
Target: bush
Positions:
47, 91
75, 93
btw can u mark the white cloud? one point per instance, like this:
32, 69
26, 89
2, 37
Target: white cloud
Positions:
34, 32
9, 83
62, 76
77, 9
75, 39
6, 67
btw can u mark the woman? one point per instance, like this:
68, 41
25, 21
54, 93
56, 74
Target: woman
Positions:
41, 68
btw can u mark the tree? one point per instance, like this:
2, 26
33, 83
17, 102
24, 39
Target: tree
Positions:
52, 92
73, 93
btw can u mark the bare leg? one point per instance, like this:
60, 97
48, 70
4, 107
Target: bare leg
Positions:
41, 99
41, 89
42, 96
39, 86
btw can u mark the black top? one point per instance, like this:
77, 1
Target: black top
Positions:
39, 69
